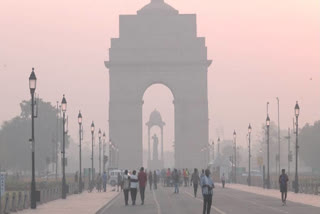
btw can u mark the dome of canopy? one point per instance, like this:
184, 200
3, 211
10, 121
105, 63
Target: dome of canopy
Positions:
157, 7
155, 119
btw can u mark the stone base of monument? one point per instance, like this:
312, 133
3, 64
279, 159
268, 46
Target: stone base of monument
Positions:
155, 164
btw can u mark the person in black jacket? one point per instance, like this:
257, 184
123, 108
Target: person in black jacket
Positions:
195, 180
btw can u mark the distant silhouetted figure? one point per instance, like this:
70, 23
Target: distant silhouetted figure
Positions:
223, 180
168, 177
155, 179
176, 180
75, 177
133, 186
207, 191
142, 177
150, 179
283, 181
104, 180
119, 182
126, 186
99, 182
195, 180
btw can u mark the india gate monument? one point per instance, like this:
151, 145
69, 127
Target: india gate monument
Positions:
158, 45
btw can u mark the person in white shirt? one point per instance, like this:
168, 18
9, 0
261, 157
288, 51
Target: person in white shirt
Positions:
207, 191
133, 186
126, 186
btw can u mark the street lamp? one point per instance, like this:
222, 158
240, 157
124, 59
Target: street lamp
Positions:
110, 155
249, 132
212, 150
92, 139
268, 167
99, 135
235, 155
104, 151
32, 87
218, 146
118, 153
64, 109
80, 138
297, 112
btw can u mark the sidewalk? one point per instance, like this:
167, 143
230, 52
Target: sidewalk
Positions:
84, 203
308, 199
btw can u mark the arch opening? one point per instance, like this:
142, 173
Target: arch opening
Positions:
158, 120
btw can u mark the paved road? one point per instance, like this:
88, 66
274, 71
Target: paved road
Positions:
226, 201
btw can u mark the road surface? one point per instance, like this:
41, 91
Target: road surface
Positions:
225, 201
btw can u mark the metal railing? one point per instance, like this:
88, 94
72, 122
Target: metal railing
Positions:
19, 200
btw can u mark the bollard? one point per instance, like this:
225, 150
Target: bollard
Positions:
13, 202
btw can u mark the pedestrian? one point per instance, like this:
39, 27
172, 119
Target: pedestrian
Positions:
283, 181
150, 179
126, 186
75, 177
142, 177
188, 176
223, 180
155, 180
119, 182
185, 178
201, 176
176, 180
133, 187
168, 177
195, 180
104, 180
180, 177
163, 177
99, 182
207, 191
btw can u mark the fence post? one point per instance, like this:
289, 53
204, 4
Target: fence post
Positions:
6, 205
13, 202
19, 201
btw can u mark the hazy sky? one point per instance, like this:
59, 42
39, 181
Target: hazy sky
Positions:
260, 50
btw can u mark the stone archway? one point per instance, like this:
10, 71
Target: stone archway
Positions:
158, 45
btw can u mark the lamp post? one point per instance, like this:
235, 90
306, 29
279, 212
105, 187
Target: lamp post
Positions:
218, 146
235, 155
99, 135
297, 112
249, 131
92, 139
212, 150
268, 164
64, 109
117, 157
278, 156
32, 87
104, 151
110, 155
80, 138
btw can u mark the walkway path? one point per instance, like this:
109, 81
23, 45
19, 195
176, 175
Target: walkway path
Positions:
225, 201
85, 203
308, 199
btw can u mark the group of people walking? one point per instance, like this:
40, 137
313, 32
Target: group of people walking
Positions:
131, 183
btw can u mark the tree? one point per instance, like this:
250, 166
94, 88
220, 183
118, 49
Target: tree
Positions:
273, 146
15, 148
309, 144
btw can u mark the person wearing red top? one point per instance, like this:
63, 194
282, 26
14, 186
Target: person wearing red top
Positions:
142, 178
